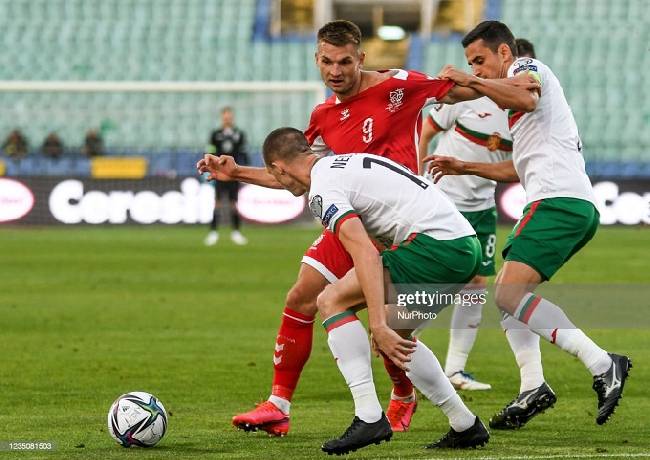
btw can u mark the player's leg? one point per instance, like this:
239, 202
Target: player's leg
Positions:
213, 234
548, 235
423, 261
235, 220
292, 349
323, 263
535, 395
348, 341
466, 319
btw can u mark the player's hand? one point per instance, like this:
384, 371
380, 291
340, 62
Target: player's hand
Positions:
394, 346
223, 168
374, 346
526, 81
441, 166
449, 72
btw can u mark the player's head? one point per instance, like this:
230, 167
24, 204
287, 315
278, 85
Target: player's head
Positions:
525, 48
284, 151
490, 49
339, 57
227, 116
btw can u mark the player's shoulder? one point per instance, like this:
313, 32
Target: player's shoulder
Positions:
439, 109
327, 103
416, 75
397, 75
526, 64
328, 172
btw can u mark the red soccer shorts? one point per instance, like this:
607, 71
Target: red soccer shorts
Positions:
328, 256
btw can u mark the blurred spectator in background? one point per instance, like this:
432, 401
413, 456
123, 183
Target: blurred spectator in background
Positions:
227, 140
15, 145
52, 146
525, 48
93, 144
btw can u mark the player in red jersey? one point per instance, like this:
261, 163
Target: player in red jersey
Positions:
373, 112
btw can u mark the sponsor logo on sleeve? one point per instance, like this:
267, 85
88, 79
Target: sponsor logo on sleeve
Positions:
525, 65
331, 211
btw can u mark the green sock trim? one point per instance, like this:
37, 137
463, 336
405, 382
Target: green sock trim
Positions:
336, 318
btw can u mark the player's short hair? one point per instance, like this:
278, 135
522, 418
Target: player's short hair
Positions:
493, 33
525, 48
340, 33
227, 108
284, 144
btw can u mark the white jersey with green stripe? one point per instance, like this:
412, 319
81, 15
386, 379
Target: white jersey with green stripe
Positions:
474, 131
547, 150
390, 200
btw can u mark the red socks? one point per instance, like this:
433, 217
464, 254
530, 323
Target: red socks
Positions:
292, 349
402, 386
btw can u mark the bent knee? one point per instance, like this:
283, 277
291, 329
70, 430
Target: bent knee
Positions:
329, 302
508, 298
301, 300
326, 302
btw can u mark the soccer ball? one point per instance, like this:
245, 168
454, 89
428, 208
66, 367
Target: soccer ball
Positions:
137, 419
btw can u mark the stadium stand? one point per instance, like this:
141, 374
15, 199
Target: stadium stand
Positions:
144, 40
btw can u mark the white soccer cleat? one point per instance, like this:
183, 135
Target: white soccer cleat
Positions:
461, 380
211, 239
238, 238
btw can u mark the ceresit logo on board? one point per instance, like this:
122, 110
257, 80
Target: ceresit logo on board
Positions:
71, 204
16, 200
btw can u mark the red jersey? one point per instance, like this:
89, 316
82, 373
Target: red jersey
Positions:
383, 119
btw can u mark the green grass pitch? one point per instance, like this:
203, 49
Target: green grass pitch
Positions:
89, 313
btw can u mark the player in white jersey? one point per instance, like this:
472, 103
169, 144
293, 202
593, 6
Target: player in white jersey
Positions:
362, 196
472, 131
558, 221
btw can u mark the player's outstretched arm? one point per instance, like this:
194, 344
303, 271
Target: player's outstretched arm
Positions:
518, 93
370, 273
459, 94
224, 168
441, 166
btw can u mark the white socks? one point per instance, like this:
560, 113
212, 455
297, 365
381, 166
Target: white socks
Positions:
462, 335
281, 403
427, 375
525, 345
348, 341
549, 321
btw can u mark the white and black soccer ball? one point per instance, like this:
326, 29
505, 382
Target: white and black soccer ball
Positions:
137, 419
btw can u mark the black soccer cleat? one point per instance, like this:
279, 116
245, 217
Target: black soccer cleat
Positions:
476, 436
359, 434
526, 406
609, 386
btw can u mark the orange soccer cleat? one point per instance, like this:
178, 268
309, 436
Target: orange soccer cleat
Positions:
399, 413
266, 416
